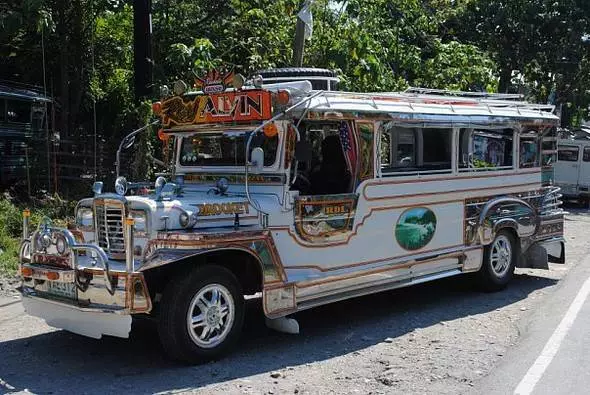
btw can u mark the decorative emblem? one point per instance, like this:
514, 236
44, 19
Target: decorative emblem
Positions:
214, 81
415, 228
252, 105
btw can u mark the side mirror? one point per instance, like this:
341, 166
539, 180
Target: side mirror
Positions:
128, 142
257, 160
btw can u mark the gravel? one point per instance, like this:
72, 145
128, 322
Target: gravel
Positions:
9, 285
440, 337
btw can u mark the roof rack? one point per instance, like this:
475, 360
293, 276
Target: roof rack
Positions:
380, 99
481, 95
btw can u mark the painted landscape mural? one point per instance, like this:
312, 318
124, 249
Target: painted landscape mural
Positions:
415, 228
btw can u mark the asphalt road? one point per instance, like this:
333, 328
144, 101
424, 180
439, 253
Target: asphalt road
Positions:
553, 354
442, 337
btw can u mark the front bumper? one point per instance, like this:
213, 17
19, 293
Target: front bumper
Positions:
82, 291
89, 322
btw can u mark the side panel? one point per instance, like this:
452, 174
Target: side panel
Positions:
403, 228
584, 178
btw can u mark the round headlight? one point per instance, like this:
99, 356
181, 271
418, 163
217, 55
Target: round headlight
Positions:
45, 240
160, 182
121, 186
184, 219
61, 245
222, 185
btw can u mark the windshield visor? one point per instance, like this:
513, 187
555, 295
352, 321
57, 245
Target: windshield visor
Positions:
225, 149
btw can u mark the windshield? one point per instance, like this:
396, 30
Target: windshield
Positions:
224, 149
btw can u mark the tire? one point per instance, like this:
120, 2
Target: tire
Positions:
317, 77
212, 333
296, 72
499, 261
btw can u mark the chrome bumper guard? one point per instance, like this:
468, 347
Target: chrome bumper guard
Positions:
80, 285
551, 225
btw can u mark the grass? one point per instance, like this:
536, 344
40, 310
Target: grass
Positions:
60, 211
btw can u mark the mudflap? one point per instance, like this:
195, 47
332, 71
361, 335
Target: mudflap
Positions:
535, 257
555, 251
538, 256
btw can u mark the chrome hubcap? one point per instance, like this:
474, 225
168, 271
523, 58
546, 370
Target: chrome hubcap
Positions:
211, 315
501, 255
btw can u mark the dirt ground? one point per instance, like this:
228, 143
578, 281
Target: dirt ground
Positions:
440, 337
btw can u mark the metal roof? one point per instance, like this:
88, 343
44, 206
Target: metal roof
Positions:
437, 106
22, 92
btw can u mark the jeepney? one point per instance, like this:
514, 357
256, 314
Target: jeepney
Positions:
304, 197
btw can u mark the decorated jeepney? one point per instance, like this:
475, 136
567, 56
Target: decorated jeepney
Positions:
303, 197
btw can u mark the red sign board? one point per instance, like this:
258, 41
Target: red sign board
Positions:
239, 106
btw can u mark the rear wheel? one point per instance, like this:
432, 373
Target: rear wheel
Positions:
202, 314
498, 263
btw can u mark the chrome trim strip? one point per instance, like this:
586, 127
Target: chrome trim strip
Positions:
399, 283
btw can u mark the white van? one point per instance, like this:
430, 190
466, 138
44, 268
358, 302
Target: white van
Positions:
572, 170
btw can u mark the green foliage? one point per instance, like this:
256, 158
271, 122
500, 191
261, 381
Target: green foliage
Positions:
541, 47
533, 46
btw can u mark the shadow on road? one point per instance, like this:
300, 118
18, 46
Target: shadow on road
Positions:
59, 361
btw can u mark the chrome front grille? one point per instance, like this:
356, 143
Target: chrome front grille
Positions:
109, 217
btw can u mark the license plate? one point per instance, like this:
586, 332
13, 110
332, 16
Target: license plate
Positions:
65, 290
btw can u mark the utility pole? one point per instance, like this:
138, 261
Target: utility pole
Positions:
299, 43
142, 51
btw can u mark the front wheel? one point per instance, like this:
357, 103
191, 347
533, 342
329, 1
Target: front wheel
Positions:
498, 264
202, 314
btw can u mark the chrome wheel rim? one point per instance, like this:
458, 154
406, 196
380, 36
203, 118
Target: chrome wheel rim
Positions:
211, 315
501, 255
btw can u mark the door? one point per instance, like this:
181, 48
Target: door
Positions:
584, 178
343, 155
567, 169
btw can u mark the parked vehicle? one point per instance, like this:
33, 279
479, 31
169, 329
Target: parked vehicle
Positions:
572, 170
307, 197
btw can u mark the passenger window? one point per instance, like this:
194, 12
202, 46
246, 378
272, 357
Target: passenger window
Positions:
437, 148
485, 149
586, 157
328, 170
414, 150
529, 151
405, 149
568, 153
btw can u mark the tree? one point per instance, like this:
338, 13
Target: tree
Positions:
540, 45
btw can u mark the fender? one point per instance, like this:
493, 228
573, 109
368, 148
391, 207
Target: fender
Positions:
506, 212
170, 247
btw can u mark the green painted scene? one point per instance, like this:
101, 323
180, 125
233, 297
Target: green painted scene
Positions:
415, 228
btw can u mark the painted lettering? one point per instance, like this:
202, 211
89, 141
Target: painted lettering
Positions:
207, 209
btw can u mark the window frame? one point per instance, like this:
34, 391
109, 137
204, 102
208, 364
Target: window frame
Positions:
537, 136
577, 147
389, 129
493, 133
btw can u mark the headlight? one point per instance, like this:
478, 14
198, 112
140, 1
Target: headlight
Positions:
121, 186
61, 245
184, 219
187, 220
140, 218
84, 218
